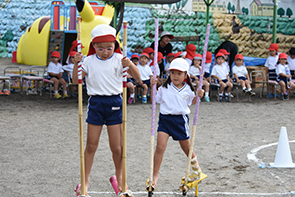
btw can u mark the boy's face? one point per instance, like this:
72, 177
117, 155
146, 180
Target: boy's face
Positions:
151, 56
197, 62
238, 62
135, 61
143, 60
169, 59
72, 59
54, 59
104, 50
283, 61
292, 56
273, 53
219, 60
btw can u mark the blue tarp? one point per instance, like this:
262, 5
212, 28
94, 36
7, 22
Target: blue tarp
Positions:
253, 61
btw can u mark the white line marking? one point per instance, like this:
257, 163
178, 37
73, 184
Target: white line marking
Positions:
252, 155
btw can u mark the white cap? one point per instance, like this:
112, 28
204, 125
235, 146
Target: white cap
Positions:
166, 33
179, 64
103, 30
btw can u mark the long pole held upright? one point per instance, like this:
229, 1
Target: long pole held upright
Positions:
124, 115
197, 105
82, 166
275, 13
150, 187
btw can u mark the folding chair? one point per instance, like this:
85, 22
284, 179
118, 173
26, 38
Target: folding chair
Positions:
258, 73
274, 83
5, 80
213, 84
34, 79
15, 73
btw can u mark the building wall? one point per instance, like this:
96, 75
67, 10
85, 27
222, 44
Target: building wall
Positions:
200, 6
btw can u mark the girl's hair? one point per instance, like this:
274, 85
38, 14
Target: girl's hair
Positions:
193, 61
279, 62
188, 81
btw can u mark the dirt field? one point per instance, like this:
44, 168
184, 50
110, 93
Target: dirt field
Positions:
39, 146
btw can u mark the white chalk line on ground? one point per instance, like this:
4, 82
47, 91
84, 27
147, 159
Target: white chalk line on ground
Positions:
203, 193
252, 155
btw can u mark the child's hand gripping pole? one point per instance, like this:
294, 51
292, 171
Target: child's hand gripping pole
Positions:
150, 187
184, 187
80, 109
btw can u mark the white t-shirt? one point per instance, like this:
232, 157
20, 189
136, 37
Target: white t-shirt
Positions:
69, 67
145, 72
226, 65
271, 62
194, 71
189, 61
158, 70
167, 66
241, 71
291, 63
54, 68
220, 71
281, 69
175, 101
207, 67
103, 77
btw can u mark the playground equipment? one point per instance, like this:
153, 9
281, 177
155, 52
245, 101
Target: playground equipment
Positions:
57, 31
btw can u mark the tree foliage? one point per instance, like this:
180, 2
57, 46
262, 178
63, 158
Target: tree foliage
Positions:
281, 12
229, 7
289, 12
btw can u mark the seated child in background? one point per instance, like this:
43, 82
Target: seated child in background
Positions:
150, 51
207, 66
291, 61
169, 59
160, 60
270, 65
284, 75
190, 53
55, 72
241, 75
195, 71
68, 70
130, 80
220, 72
145, 76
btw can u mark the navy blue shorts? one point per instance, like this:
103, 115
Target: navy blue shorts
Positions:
225, 80
130, 80
206, 75
147, 82
65, 76
281, 78
176, 126
104, 110
272, 74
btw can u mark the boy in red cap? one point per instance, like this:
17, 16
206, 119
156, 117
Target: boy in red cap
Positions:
103, 72
221, 74
55, 73
207, 66
241, 75
284, 76
168, 59
190, 53
270, 65
130, 79
68, 70
150, 52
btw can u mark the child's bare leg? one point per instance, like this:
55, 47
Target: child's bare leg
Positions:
93, 135
283, 86
130, 86
55, 82
242, 82
230, 86
145, 89
206, 86
115, 137
64, 84
162, 139
222, 87
248, 85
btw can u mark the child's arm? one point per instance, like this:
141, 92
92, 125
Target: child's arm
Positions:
285, 75
227, 76
134, 72
247, 76
78, 58
236, 77
218, 78
200, 93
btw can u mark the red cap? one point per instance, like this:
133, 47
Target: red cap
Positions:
219, 55
239, 56
55, 54
72, 53
283, 56
170, 55
135, 56
148, 50
274, 47
208, 57
145, 54
198, 56
224, 51
177, 54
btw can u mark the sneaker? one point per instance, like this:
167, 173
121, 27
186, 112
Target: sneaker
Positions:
247, 92
130, 100
1, 93
65, 95
270, 95
139, 97
207, 99
220, 98
285, 96
252, 93
6, 92
148, 95
57, 96
144, 100
226, 98
278, 96
231, 95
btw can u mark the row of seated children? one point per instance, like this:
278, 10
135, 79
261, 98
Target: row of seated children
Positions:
278, 66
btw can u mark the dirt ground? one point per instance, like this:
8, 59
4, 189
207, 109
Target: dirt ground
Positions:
39, 145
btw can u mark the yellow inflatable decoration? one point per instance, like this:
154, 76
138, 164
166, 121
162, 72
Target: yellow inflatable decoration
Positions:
33, 45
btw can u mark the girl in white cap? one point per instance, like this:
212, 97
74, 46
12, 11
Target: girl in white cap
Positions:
103, 71
174, 97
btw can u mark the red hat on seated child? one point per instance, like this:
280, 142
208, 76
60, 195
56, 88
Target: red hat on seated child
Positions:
239, 56
144, 54
148, 50
224, 51
72, 53
160, 56
170, 55
273, 47
178, 54
197, 56
283, 56
134, 56
208, 57
220, 55
55, 54
103, 33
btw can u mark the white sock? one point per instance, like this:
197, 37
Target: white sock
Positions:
244, 88
226, 94
55, 91
220, 94
65, 92
206, 94
132, 95
250, 89
143, 96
